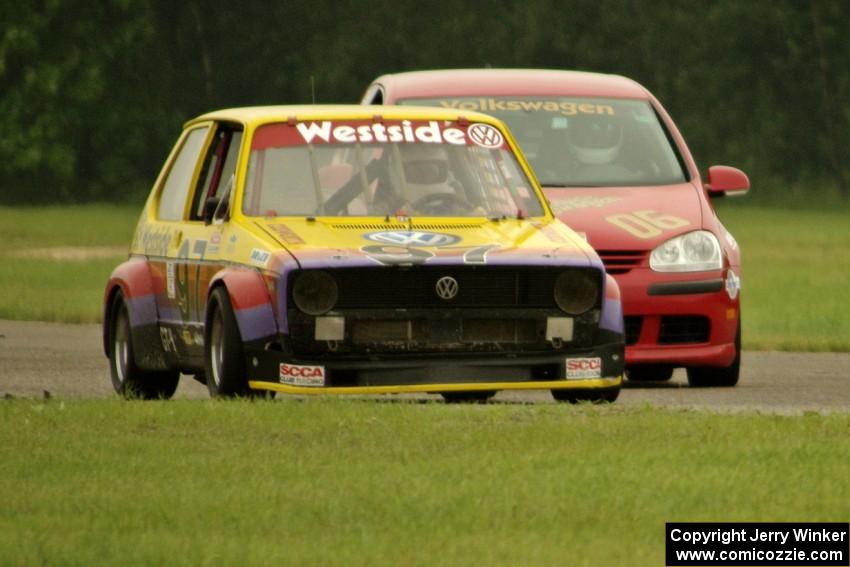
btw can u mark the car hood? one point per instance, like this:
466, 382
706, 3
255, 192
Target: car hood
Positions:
628, 218
351, 242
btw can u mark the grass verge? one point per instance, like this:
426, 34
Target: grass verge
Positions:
36, 286
359, 482
796, 270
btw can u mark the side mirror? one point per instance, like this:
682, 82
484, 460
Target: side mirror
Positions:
210, 207
724, 180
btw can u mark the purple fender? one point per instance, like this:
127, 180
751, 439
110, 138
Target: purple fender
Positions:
251, 302
612, 309
133, 278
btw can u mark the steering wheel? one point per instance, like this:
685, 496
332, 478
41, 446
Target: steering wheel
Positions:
436, 203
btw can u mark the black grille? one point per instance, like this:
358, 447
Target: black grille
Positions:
621, 261
394, 288
633, 326
445, 331
682, 329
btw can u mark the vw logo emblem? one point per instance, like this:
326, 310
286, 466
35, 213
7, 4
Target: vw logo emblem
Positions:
412, 238
447, 288
485, 136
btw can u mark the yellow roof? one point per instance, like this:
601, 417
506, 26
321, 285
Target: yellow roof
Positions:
263, 114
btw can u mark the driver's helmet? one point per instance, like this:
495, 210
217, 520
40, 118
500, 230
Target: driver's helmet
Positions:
594, 140
426, 170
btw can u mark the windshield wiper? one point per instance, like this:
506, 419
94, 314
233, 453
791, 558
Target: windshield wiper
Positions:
568, 185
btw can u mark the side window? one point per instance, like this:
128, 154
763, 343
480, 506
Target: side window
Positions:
176, 188
219, 166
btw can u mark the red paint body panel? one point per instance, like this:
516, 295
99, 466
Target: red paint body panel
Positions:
619, 222
246, 288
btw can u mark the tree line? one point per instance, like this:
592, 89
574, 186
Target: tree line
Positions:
94, 94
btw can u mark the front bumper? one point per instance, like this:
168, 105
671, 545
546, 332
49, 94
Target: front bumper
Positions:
435, 373
679, 319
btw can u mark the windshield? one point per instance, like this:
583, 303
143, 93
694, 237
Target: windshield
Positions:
583, 142
409, 168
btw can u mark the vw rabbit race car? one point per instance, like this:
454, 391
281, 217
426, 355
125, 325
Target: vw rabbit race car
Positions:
615, 168
335, 249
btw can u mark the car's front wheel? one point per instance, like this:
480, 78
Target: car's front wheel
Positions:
224, 356
708, 376
128, 379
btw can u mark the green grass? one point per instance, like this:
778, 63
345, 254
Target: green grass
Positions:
796, 268
70, 225
361, 482
796, 274
34, 288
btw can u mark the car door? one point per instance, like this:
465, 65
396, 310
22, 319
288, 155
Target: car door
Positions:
166, 221
199, 243
200, 172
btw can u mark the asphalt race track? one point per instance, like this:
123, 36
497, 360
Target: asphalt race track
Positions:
67, 362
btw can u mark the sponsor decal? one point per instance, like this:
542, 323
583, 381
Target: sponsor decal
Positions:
647, 224
578, 368
733, 285
432, 132
215, 243
154, 242
485, 136
166, 336
286, 234
170, 277
577, 203
389, 255
231, 244
297, 375
412, 238
260, 257
565, 108
478, 255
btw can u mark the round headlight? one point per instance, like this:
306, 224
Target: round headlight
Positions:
690, 252
576, 291
315, 292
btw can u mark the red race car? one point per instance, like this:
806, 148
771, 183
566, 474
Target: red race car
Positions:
615, 168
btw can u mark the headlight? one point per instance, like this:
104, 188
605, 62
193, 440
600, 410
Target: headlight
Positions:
315, 292
692, 252
576, 291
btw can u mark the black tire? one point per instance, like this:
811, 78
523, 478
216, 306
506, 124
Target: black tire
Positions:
718, 377
129, 380
649, 373
468, 397
224, 355
595, 396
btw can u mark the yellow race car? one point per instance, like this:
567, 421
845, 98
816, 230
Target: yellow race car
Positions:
346, 249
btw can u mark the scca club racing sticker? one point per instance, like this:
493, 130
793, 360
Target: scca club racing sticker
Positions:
410, 238
298, 375
578, 368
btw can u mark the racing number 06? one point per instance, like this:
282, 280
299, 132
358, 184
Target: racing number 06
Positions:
646, 224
